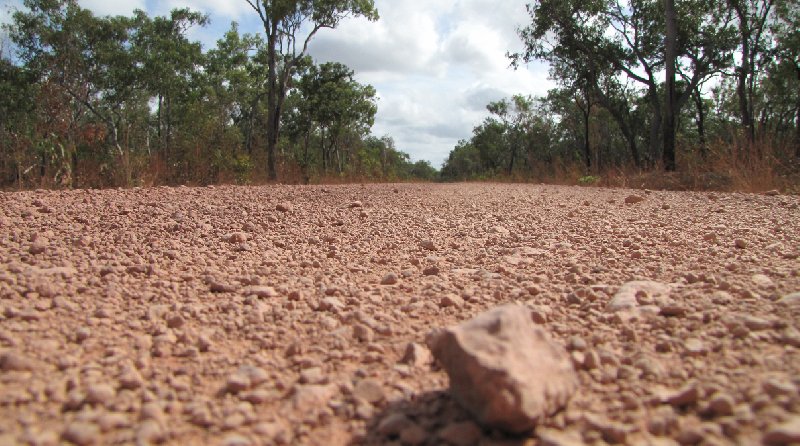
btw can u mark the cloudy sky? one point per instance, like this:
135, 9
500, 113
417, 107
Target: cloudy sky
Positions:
435, 64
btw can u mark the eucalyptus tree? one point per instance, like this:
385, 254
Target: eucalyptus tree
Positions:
289, 26
605, 41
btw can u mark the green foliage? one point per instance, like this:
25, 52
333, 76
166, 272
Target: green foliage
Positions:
588, 180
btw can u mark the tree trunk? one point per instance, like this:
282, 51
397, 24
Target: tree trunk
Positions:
743, 71
655, 124
587, 149
700, 120
272, 101
668, 157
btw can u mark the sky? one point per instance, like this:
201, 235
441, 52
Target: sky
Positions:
435, 64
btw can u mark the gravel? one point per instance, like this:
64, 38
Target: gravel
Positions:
293, 315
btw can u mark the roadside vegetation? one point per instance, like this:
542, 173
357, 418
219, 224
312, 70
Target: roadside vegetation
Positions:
679, 94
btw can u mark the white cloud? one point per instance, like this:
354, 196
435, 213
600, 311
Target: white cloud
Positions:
436, 65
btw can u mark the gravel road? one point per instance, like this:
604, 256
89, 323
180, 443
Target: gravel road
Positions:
298, 315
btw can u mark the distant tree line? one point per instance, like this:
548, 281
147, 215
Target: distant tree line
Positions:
647, 84
88, 101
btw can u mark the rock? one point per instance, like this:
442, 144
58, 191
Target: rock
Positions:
428, 244
465, 433
694, 347
451, 300
369, 390
756, 323
394, 424
685, 396
740, 244
762, 281
553, 437
356, 204
363, 333
284, 207
236, 440
414, 435
236, 237
772, 193
308, 397
150, 431
432, 270
722, 405
260, 291
627, 297
775, 387
504, 369
417, 355
786, 433
219, 287
12, 361
633, 199
81, 433
791, 300
237, 382
102, 394
389, 279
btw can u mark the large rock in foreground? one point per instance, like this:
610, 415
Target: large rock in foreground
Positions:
504, 369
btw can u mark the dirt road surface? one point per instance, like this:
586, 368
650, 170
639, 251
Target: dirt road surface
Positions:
298, 315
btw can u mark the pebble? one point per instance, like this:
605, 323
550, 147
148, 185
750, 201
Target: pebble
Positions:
102, 394
465, 433
284, 207
451, 300
236, 440
414, 435
417, 355
389, 279
12, 361
633, 199
722, 405
687, 395
431, 270
786, 433
394, 424
369, 390
792, 300
81, 433
428, 244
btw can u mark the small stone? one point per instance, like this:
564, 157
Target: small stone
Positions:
284, 207
772, 193
786, 433
237, 382
451, 300
431, 270
428, 244
694, 347
633, 199
236, 237
414, 435
762, 281
308, 397
687, 395
553, 437
504, 369
722, 405
102, 394
369, 390
394, 424
263, 292
37, 248
417, 355
356, 204
236, 440
363, 333
130, 380
756, 323
627, 297
81, 433
12, 361
150, 431
175, 321
740, 244
389, 279
219, 287
791, 300
465, 433
775, 387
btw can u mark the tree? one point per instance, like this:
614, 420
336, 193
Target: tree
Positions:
283, 22
670, 61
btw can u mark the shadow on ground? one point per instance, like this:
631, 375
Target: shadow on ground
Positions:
431, 418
